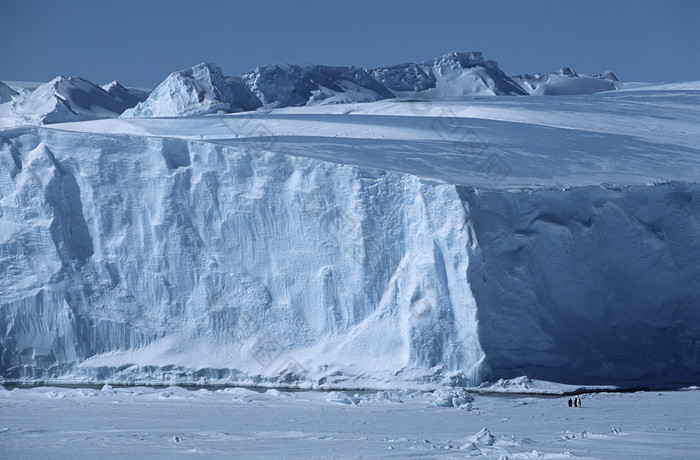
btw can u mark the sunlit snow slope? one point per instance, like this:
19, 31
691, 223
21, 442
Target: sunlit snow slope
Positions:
386, 244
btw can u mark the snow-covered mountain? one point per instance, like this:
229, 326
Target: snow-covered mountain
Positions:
197, 91
129, 97
454, 74
296, 85
66, 99
401, 242
203, 89
459, 74
405, 78
566, 81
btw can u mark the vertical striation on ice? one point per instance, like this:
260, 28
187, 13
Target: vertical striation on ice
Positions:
590, 285
248, 264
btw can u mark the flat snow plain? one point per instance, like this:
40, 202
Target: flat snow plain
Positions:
140, 422
638, 136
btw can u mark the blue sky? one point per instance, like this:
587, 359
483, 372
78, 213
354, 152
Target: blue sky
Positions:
139, 42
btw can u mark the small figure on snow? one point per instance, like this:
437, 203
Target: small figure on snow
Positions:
578, 399
569, 402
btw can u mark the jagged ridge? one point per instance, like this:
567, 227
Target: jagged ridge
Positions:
204, 89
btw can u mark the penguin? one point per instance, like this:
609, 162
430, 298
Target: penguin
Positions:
569, 402
576, 401
579, 401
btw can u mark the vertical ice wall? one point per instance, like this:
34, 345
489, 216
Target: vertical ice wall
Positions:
148, 259
589, 285
136, 258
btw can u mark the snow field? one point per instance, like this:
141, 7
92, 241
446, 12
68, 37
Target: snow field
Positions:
171, 422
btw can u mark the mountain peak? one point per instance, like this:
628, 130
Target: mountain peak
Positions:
113, 84
608, 75
456, 59
204, 69
567, 72
198, 90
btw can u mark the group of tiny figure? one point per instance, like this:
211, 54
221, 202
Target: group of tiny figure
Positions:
576, 402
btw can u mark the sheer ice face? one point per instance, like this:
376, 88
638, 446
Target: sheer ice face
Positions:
229, 259
400, 244
593, 280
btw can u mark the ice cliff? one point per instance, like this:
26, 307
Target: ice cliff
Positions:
396, 245
222, 259
600, 282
